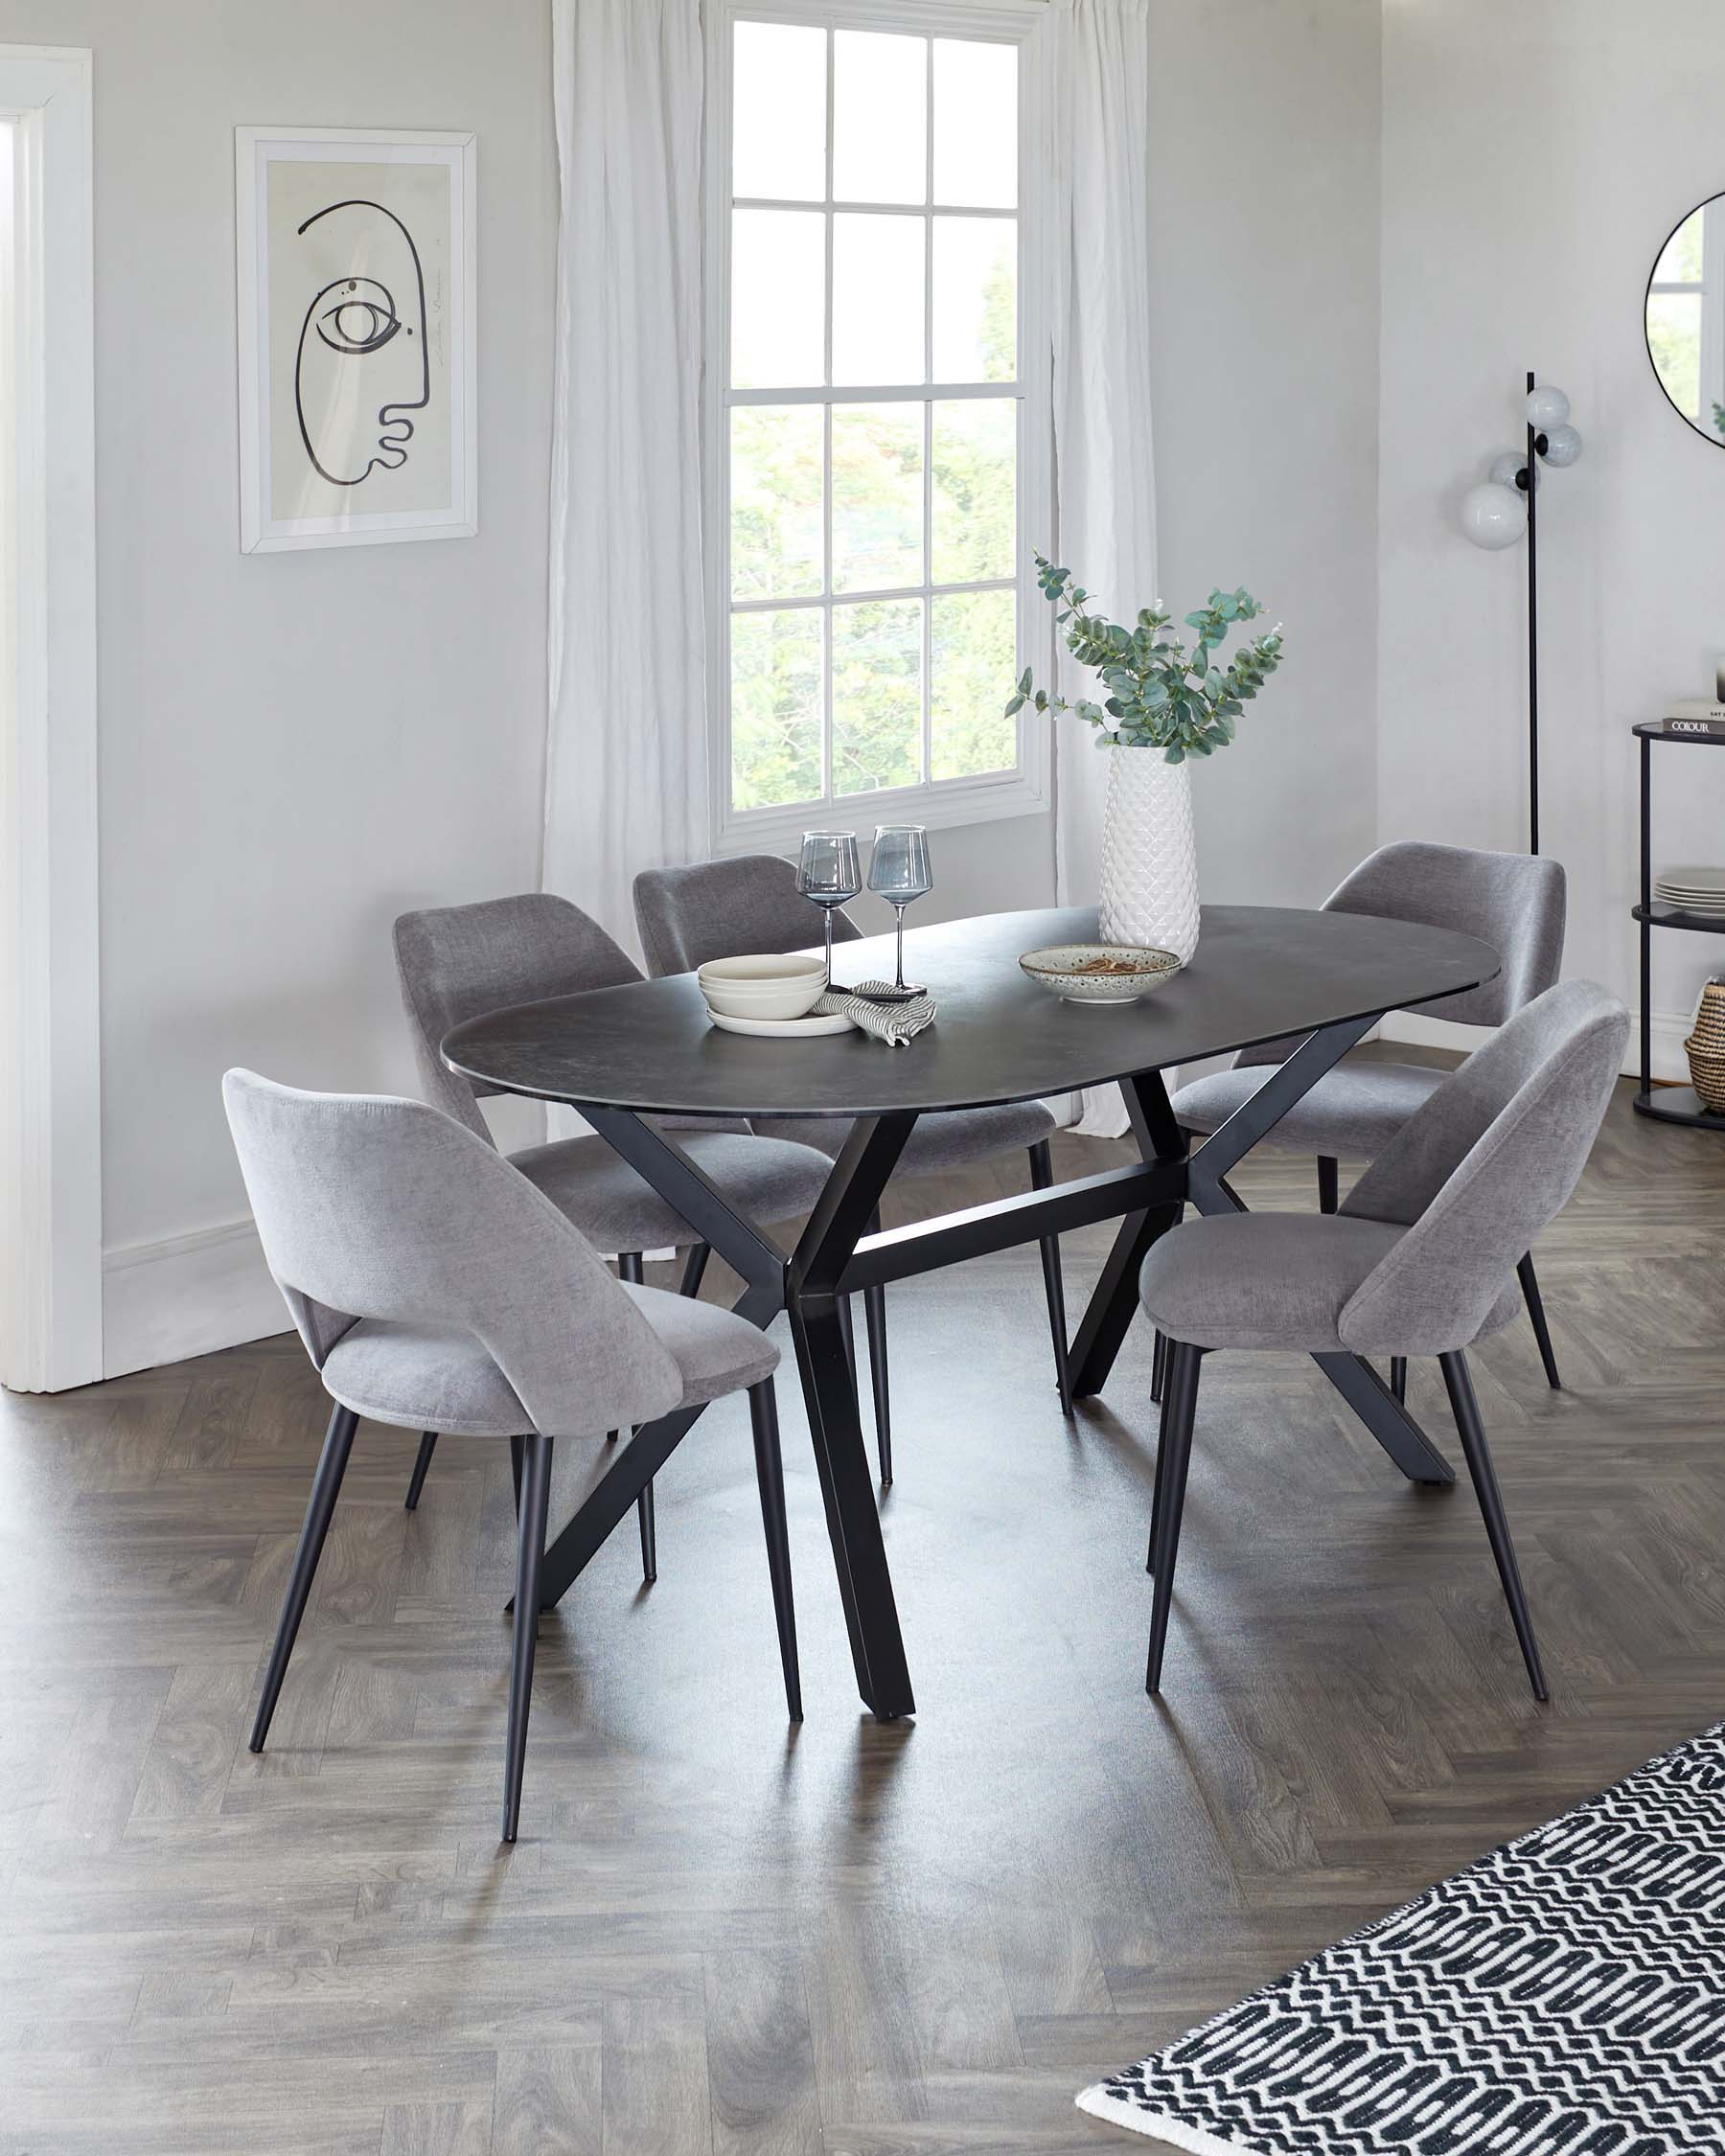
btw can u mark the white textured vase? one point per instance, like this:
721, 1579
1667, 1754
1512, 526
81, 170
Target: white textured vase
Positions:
1149, 853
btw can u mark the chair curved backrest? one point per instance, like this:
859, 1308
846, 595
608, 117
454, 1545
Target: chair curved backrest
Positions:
726, 909
1481, 1168
1514, 902
458, 963
377, 1207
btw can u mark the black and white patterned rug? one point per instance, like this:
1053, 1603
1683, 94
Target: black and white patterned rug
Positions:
1562, 1997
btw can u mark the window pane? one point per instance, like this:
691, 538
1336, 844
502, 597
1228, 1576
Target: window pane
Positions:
1674, 340
776, 708
880, 117
877, 695
972, 657
877, 496
876, 298
975, 123
976, 299
1681, 262
778, 103
775, 500
778, 281
975, 489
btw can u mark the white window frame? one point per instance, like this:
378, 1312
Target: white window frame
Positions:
50, 1043
940, 803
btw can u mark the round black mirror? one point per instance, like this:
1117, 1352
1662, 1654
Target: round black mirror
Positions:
1686, 318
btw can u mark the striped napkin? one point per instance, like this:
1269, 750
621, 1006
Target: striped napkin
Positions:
896, 1024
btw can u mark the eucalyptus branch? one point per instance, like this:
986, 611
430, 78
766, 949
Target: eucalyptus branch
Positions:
1159, 693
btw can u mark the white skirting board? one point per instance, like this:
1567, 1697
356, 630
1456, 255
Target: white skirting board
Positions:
185, 1295
192, 1294
1670, 1030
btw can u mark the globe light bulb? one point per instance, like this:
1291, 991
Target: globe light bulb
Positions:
1507, 469
1547, 408
1562, 445
1494, 516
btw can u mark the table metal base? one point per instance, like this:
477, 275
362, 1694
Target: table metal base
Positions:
837, 1254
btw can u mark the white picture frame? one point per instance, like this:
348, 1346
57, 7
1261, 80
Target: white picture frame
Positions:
351, 432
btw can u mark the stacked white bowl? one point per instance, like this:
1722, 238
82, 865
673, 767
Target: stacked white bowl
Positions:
768, 985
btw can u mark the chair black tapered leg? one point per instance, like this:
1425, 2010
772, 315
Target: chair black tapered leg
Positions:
1530, 1295
1399, 1376
694, 1267
416, 1481
325, 1486
1327, 1197
874, 1319
629, 1268
769, 1474
1173, 1456
1472, 1432
1159, 1366
1042, 1175
517, 1463
1161, 1454
530, 1536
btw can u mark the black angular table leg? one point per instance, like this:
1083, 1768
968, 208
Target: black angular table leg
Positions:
1114, 1302
843, 1215
853, 1523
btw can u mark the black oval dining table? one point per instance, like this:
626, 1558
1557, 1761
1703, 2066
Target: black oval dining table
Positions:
622, 1056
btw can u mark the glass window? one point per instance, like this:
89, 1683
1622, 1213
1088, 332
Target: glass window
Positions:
872, 545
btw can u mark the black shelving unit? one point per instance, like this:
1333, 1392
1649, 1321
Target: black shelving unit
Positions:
1670, 1104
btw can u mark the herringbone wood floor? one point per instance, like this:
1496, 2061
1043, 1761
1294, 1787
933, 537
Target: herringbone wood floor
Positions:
714, 1937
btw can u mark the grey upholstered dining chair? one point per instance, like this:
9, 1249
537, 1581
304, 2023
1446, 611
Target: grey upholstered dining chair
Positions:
458, 963
727, 908
1420, 1260
433, 1284
1513, 902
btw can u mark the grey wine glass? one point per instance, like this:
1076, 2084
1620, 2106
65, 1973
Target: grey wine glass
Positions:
899, 872
828, 873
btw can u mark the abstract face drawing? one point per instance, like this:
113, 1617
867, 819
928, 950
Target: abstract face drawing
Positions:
362, 365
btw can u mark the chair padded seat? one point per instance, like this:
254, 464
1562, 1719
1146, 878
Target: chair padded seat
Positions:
717, 1351
1272, 1279
426, 1377
1353, 1110
954, 1138
615, 1209
423, 1377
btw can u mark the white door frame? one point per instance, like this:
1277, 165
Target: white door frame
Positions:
50, 1040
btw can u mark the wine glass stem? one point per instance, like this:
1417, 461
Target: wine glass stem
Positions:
899, 983
827, 916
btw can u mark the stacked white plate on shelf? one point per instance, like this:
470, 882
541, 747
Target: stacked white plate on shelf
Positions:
1693, 891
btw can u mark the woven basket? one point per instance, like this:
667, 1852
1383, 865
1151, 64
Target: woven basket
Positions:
1706, 1074
1709, 1031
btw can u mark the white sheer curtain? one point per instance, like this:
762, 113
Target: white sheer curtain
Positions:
626, 785
1106, 492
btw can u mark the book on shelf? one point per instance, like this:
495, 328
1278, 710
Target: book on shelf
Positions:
1692, 716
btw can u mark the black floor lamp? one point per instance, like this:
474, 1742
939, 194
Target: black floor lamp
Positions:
1498, 512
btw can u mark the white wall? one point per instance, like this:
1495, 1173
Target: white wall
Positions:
1534, 158
294, 747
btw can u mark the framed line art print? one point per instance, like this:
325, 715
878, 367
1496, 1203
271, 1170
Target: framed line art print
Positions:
355, 256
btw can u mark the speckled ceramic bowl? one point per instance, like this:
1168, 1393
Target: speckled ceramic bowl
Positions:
1099, 973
